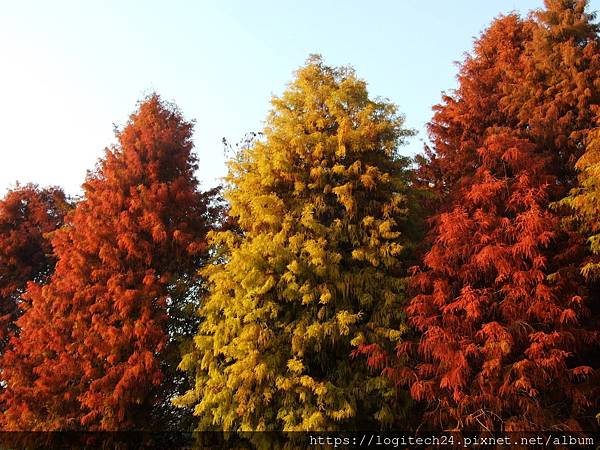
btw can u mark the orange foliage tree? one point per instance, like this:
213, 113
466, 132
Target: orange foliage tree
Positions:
93, 342
507, 325
27, 215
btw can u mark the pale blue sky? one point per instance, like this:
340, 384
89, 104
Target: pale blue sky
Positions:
70, 69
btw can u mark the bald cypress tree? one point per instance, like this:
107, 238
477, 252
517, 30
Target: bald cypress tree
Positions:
316, 270
28, 214
508, 325
92, 347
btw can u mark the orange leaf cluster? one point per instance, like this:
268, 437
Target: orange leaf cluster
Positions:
27, 215
507, 323
89, 351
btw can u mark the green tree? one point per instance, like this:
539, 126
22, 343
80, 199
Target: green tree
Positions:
315, 270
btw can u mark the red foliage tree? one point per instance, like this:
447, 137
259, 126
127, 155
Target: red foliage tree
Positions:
507, 325
92, 343
27, 215
504, 317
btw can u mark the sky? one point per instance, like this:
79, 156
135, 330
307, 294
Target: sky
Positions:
71, 71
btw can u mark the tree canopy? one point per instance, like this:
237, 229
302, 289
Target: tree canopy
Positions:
28, 214
507, 323
89, 351
316, 270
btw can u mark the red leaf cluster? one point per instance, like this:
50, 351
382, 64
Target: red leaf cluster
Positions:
89, 352
27, 215
507, 325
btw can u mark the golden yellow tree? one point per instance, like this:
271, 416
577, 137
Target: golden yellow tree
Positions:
585, 201
315, 269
